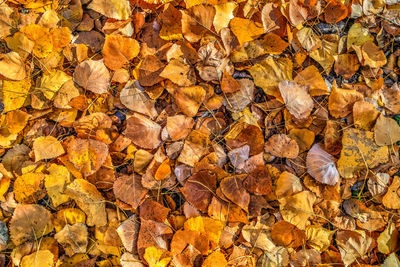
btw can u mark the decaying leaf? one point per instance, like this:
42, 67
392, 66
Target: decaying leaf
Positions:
297, 99
73, 238
386, 131
353, 245
116, 9
321, 166
143, 132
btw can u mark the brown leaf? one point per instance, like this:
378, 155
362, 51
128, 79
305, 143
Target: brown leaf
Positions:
73, 238
29, 222
151, 210
287, 235
199, 189
93, 76
232, 188
143, 132
189, 99
196, 21
129, 189
280, 145
386, 131
341, 101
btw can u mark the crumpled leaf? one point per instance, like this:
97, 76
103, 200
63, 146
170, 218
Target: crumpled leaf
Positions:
281, 145
89, 200
386, 131
93, 76
29, 222
359, 152
116, 9
87, 155
297, 99
47, 147
119, 50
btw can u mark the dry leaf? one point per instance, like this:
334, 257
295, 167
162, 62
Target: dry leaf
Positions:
321, 166
281, 145
116, 9
40, 258
245, 30
232, 188
28, 188
93, 76
12, 66
287, 235
215, 259
365, 115
134, 195
47, 147
359, 152
341, 101
73, 238
189, 99
353, 245
199, 189
391, 199
143, 132
388, 239
386, 131
29, 222
318, 237
297, 99
14, 93
87, 155
196, 21
119, 50
133, 97
89, 200
298, 208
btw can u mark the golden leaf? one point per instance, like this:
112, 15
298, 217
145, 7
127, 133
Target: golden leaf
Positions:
89, 200
56, 182
215, 259
12, 66
119, 50
360, 152
386, 131
116, 9
47, 147
245, 30
212, 228
29, 187
157, 257
42, 258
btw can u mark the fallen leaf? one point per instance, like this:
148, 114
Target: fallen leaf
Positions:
321, 166
55, 183
245, 30
29, 222
297, 99
116, 9
386, 131
40, 258
365, 115
391, 199
199, 189
90, 200
73, 238
312, 77
143, 132
268, 73
223, 15
157, 257
341, 101
372, 55
388, 239
215, 259
47, 147
15, 93
189, 99
232, 188
359, 152
87, 155
179, 73
210, 227
12, 66
119, 50
136, 192
93, 76
318, 237
28, 188
287, 235
298, 208
281, 145
196, 21
353, 245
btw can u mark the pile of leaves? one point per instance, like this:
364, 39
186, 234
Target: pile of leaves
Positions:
199, 133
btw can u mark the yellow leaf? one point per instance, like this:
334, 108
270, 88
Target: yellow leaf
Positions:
16, 121
311, 76
341, 101
391, 199
55, 183
189, 99
41, 258
68, 216
318, 237
42, 38
298, 208
245, 30
90, 200
157, 257
388, 239
115, 9
51, 82
215, 259
47, 147
357, 36
365, 115
223, 15
359, 152
29, 187
180, 73
268, 73
212, 228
